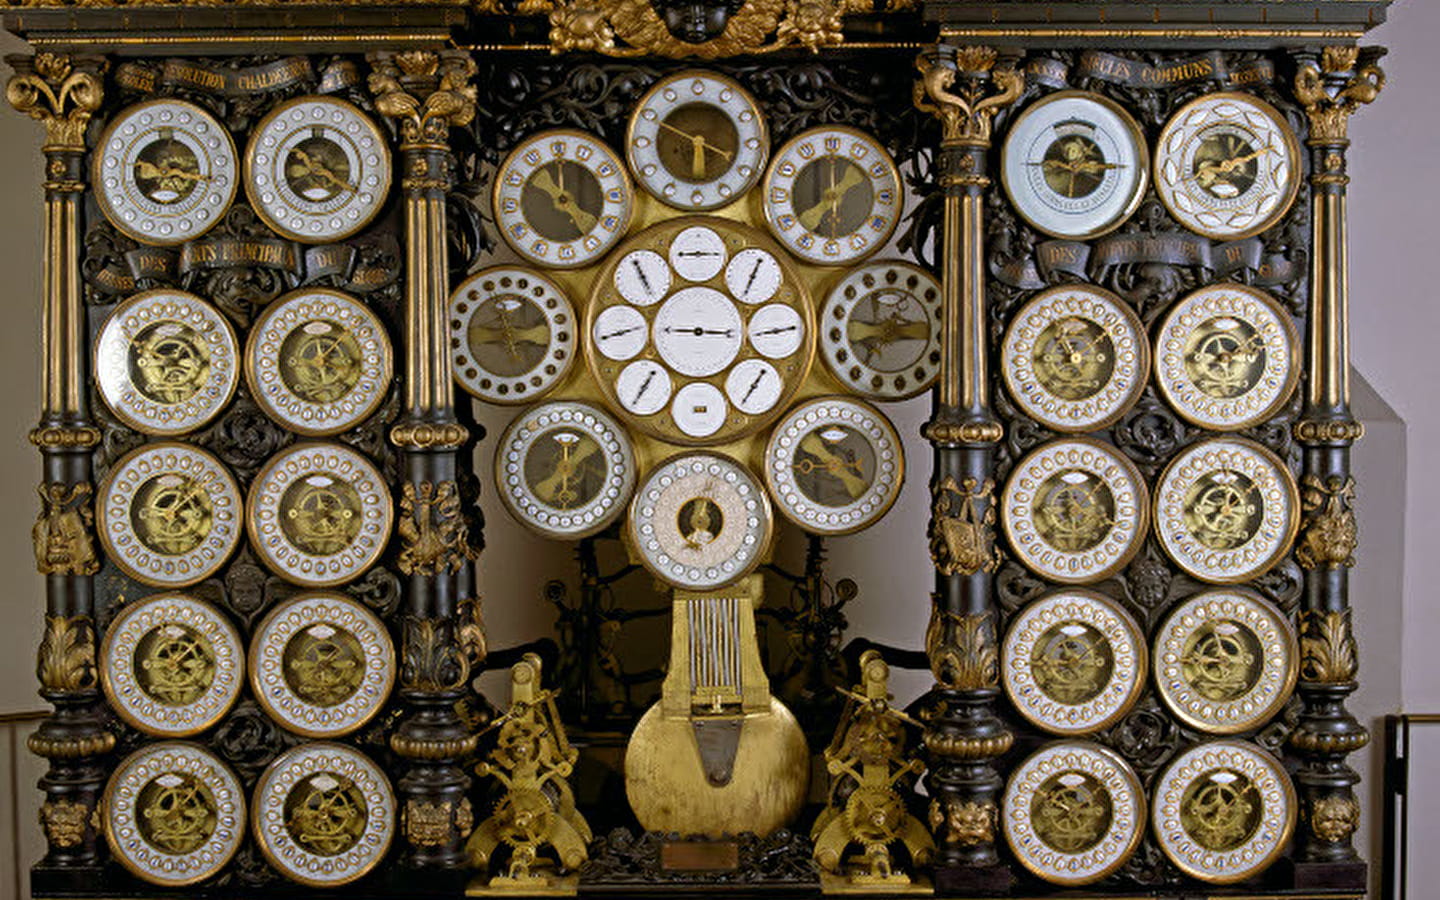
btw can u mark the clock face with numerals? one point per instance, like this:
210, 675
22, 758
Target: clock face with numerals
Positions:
832, 195
700, 521
512, 334
317, 169
165, 171
698, 331
1227, 166
697, 141
562, 199
880, 330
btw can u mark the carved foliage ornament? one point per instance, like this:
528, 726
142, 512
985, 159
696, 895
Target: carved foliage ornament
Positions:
1327, 648
66, 661
1328, 539
432, 527
1334, 817
52, 90
962, 539
1335, 87
427, 93
428, 824
62, 537
962, 650
966, 113
967, 822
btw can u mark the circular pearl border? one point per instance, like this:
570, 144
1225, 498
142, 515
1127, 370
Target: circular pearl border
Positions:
835, 316
122, 831
1277, 818
125, 548
117, 670
267, 660
1127, 802
112, 362
619, 461
1131, 510
263, 510
1279, 496
1279, 654
811, 417
1127, 648
262, 361
267, 820
1127, 380
560, 318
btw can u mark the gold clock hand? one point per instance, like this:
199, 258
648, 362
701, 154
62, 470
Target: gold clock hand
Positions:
563, 202
830, 201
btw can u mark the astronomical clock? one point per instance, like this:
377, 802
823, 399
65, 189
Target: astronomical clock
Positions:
669, 289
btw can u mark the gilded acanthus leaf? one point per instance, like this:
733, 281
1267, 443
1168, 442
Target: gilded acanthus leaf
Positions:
962, 649
66, 661
1327, 648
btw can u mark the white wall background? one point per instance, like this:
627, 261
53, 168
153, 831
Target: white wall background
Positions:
1395, 206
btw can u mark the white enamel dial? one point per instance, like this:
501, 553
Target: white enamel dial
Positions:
776, 330
880, 330
317, 169
1075, 165
700, 521
512, 334
832, 195
699, 409
697, 141
620, 332
698, 253
643, 277
698, 332
562, 198
1227, 166
165, 171
643, 387
753, 276
754, 386
722, 353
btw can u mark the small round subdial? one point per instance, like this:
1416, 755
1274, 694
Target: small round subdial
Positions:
754, 386
643, 277
565, 469
697, 140
698, 253
165, 171
832, 195
512, 334
880, 330
685, 350
753, 276
562, 198
700, 522
776, 330
643, 387
621, 332
317, 169
699, 409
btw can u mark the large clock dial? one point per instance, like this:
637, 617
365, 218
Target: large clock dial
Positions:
512, 334
880, 330
317, 169
1227, 166
697, 141
700, 521
562, 199
698, 331
1075, 165
832, 195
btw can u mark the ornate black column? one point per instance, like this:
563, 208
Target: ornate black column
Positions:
62, 93
428, 94
964, 88
1331, 85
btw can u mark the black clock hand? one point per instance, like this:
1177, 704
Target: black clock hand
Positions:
643, 280
619, 331
697, 331
698, 253
644, 386
777, 330
751, 280
753, 385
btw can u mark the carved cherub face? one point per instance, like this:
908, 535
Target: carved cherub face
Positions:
696, 21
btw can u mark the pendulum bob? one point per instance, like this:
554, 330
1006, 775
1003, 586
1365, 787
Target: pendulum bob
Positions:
718, 755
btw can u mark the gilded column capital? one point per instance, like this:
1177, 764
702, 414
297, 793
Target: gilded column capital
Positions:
1334, 86
966, 110
60, 93
427, 93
